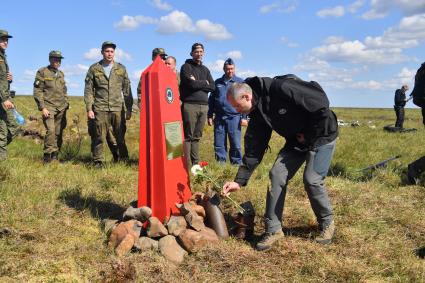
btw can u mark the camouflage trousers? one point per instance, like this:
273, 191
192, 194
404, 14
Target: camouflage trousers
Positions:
54, 124
109, 126
8, 130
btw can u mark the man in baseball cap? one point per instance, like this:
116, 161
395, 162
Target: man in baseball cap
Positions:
8, 125
160, 52
108, 44
50, 95
155, 52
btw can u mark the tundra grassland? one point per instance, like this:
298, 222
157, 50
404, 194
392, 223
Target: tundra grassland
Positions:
50, 215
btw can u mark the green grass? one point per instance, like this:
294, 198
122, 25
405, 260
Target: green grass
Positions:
53, 213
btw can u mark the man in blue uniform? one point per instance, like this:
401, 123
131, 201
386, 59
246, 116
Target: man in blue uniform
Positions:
227, 121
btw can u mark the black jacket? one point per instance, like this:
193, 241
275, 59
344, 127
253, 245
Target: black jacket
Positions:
289, 106
400, 98
195, 91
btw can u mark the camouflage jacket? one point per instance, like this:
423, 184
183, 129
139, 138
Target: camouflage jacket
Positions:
107, 94
4, 83
50, 89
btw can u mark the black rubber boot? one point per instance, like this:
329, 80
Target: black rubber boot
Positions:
47, 158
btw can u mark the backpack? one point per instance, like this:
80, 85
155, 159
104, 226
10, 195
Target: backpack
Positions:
418, 92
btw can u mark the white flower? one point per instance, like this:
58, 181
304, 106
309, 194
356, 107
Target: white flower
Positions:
196, 169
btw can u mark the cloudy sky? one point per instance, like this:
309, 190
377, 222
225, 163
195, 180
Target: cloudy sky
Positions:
360, 51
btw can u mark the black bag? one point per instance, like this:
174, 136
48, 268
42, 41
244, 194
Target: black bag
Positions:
418, 91
415, 169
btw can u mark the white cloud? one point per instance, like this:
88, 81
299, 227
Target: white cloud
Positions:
95, 54
288, 43
385, 49
381, 8
215, 67
321, 71
358, 53
161, 5
336, 12
355, 6
409, 33
174, 22
178, 21
27, 76
407, 76
132, 22
282, 6
234, 54
246, 73
121, 55
370, 85
212, 31
333, 39
75, 70
335, 78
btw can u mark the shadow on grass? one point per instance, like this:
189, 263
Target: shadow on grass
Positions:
305, 232
420, 252
364, 175
98, 208
87, 161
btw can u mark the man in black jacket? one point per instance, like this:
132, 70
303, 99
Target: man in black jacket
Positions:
298, 111
399, 103
196, 83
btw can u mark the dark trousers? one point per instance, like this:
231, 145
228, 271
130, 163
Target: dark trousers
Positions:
286, 165
194, 118
399, 113
223, 128
54, 124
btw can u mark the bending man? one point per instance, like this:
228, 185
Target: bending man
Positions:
299, 112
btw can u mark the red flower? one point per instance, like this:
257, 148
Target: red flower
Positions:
203, 163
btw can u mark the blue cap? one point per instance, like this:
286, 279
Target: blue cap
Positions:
229, 61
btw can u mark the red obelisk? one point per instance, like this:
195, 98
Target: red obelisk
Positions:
163, 173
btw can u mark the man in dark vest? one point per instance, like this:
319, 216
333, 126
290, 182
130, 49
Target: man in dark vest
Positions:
298, 111
399, 103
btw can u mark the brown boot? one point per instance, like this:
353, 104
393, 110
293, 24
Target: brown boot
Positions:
245, 221
245, 226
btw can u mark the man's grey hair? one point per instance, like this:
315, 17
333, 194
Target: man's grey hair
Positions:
237, 89
172, 57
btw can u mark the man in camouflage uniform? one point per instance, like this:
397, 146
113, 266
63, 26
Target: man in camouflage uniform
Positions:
155, 52
8, 125
107, 89
51, 97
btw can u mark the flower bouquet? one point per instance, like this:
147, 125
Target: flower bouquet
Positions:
201, 174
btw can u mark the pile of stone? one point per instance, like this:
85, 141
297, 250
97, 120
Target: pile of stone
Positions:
178, 236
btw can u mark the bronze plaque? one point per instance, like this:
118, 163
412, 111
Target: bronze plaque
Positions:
173, 139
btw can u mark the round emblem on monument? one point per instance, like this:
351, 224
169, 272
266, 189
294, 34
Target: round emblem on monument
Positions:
169, 95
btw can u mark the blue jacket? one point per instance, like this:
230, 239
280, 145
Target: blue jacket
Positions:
217, 102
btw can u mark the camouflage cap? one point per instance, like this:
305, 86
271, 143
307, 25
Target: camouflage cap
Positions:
108, 44
158, 51
4, 33
55, 54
